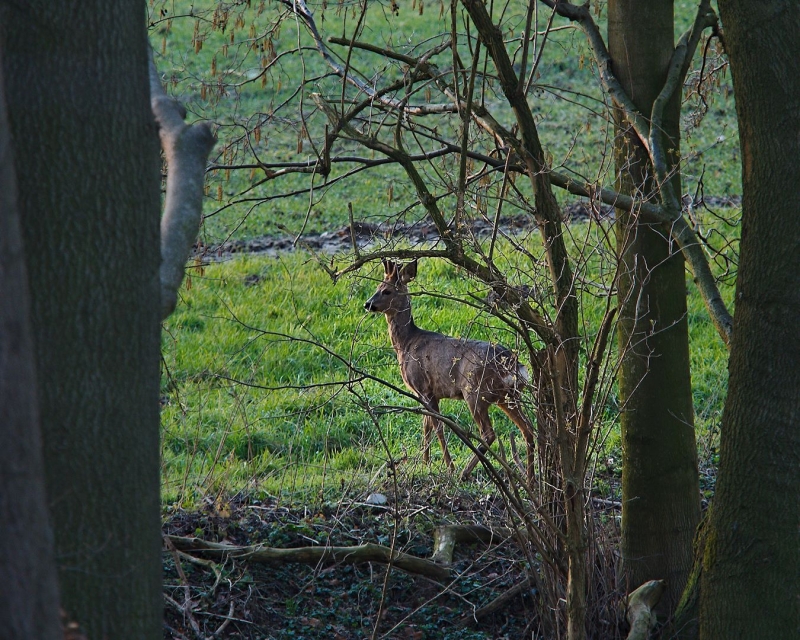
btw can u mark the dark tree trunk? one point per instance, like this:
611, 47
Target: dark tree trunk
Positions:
28, 584
87, 168
751, 573
660, 483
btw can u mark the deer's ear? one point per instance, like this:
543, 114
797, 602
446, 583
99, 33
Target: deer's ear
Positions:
389, 268
409, 272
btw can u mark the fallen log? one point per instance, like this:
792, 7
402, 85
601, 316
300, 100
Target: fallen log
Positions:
315, 555
499, 603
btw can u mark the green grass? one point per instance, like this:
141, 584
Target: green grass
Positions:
257, 385
253, 389
263, 383
221, 83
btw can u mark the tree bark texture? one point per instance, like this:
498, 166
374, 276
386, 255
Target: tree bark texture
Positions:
660, 484
28, 584
751, 574
560, 390
87, 167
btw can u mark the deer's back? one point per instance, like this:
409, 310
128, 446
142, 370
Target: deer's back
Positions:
438, 366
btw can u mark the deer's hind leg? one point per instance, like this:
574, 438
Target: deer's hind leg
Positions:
513, 410
427, 428
479, 409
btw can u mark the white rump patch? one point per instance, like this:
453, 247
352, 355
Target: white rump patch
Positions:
519, 376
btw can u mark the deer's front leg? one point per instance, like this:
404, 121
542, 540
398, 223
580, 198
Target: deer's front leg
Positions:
428, 424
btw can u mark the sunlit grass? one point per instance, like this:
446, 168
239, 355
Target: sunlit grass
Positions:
270, 374
219, 81
269, 368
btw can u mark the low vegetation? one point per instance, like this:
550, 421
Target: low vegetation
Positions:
282, 403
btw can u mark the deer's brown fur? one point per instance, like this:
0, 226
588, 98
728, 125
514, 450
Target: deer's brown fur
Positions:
436, 366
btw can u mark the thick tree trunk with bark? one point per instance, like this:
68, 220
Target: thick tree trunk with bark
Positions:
751, 573
660, 483
87, 167
28, 584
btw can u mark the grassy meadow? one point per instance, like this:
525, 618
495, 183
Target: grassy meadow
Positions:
271, 371
263, 387
242, 70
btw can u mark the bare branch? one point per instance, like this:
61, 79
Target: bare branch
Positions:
590, 384
301, 10
388, 53
500, 602
454, 250
706, 17
582, 15
315, 555
547, 212
692, 250
676, 73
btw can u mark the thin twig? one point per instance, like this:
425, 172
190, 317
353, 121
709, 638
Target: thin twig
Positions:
226, 622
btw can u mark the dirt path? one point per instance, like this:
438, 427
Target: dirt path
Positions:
367, 233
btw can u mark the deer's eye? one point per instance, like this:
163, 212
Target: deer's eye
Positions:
386, 292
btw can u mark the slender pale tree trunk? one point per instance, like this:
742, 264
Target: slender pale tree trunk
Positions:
660, 483
87, 168
28, 584
751, 575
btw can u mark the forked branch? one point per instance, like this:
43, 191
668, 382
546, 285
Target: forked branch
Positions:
676, 74
649, 133
454, 250
548, 215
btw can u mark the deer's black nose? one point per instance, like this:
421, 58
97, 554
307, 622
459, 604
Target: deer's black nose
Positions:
368, 305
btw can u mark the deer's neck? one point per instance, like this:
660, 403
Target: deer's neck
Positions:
401, 328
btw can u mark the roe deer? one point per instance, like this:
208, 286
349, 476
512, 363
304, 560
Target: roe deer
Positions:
436, 366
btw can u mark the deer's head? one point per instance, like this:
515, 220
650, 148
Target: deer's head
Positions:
391, 296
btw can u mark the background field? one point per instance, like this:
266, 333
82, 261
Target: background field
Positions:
255, 398
262, 360
224, 82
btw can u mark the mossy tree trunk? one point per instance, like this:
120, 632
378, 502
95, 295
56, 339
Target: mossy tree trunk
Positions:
660, 483
751, 574
87, 170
